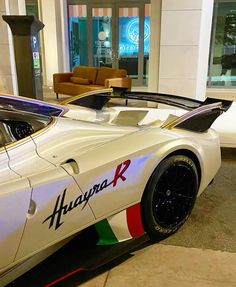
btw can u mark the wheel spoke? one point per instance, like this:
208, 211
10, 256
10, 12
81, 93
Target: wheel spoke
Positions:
159, 204
183, 196
160, 193
181, 177
174, 194
171, 210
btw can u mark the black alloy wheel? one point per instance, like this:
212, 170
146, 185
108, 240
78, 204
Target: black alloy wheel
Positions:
169, 196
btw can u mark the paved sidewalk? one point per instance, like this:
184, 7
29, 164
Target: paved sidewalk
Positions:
171, 266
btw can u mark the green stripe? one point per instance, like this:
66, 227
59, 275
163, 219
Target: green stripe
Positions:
105, 233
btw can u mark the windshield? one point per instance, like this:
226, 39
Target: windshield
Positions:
30, 105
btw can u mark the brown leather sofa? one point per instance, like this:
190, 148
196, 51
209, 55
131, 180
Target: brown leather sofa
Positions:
86, 78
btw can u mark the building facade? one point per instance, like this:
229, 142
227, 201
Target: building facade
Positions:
183, 47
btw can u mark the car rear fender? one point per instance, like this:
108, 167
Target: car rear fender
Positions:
205, 148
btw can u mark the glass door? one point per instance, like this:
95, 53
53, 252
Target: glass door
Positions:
102, 37
77, 23
133, 41
128, 41
146, 43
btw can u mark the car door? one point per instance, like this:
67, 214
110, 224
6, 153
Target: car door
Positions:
57, 213
111, 180
40, 202
45, 197
54, 210
15, 194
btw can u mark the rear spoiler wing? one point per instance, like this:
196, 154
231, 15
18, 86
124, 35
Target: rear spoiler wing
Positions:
200, 117
97, 100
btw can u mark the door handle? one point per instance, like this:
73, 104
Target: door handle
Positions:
32, 208
70, 166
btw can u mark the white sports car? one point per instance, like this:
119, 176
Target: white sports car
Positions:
127, 169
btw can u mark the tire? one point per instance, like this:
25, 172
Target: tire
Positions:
169, 196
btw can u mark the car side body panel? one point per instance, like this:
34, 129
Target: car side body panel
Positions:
76, 171
57, 215
23, 158
144, 157
14, 202
98, 163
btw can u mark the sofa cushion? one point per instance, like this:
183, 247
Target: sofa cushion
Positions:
109, 73
69, 88
85, 72
78, 80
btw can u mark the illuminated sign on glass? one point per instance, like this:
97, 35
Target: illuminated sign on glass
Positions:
129, 35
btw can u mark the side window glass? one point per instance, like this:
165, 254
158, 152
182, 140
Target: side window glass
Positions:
15, 125
4, 137
2, 141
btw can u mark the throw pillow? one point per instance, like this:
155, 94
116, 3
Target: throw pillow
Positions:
78, 80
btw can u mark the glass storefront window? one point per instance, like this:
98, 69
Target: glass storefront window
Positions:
102, 36
128, 47
146, 43
78, 35
222, 66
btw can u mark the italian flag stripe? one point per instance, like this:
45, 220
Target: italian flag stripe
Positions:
105, 233
134, 220
120, 227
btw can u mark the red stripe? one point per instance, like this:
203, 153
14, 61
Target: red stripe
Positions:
63, 277
134, 220
71, 11
80, 13
147, 9
130, 12
105, 12
95, 12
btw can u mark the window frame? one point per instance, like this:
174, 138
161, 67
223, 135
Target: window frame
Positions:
219, 90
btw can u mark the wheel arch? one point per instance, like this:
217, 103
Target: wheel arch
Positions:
185, 152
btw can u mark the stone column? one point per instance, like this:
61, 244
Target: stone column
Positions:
53, 13
184, 47
154, 56
8, 82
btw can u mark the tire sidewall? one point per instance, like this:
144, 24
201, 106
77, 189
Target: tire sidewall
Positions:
155, 230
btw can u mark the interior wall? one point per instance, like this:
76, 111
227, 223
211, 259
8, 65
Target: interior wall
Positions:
49, 32
62, 36
53, 13
5, 64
